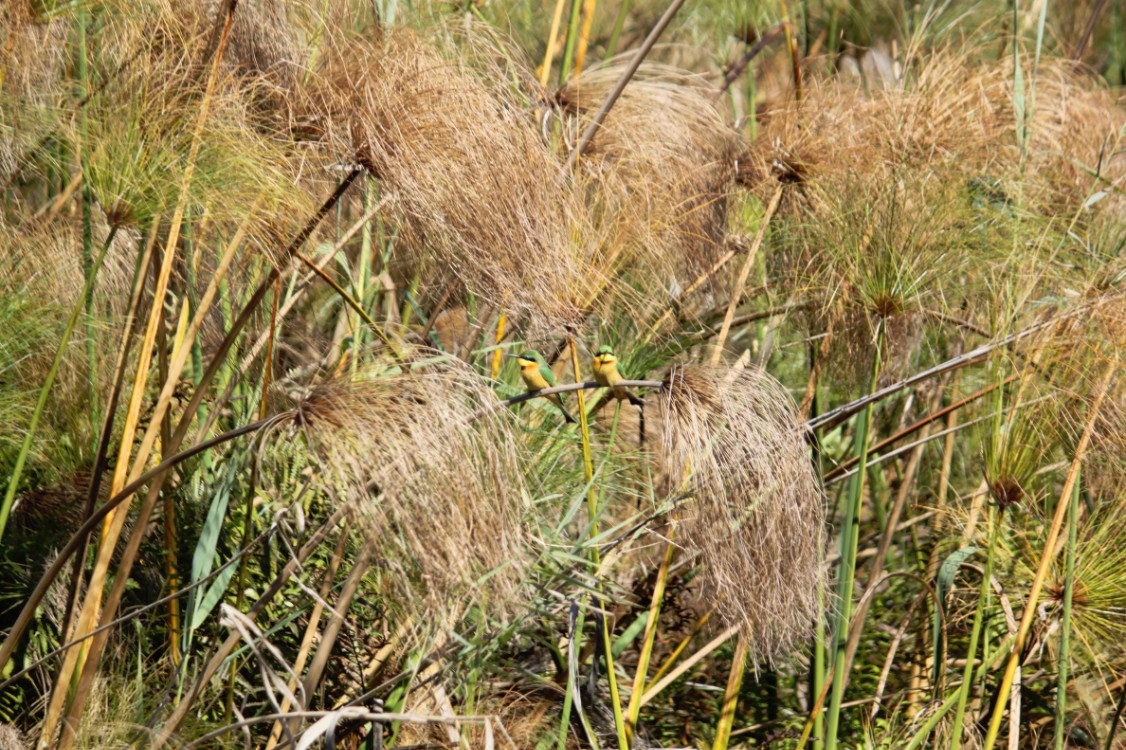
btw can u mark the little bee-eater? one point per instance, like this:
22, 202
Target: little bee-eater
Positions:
537, 376
606, 374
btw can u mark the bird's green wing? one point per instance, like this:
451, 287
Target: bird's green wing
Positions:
547, 374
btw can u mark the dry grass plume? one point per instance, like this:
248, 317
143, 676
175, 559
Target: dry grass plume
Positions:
755, 515
443, 492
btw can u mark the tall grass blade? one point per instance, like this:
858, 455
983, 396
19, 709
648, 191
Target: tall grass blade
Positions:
1060, 733
975, 632
846, 571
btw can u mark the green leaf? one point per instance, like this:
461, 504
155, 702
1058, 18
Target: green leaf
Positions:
203, 559
944, 584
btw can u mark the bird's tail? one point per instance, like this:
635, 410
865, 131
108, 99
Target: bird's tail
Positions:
566, 414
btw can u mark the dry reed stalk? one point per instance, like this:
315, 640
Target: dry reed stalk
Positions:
741, 282
112, 527
552, 41
588, 9
310, 633
132, 548
757, 520
477, 193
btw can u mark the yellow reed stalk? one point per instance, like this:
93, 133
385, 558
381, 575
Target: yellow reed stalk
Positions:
1046, 558
633, 711
731, 694
676, 652
589, 6
552, 41
500, 337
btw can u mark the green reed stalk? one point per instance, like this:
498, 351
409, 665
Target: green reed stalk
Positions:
995, 520
1065, 626
819, 669
87, 229
593, 510
619, 23
850, 538
48, 382
571, 41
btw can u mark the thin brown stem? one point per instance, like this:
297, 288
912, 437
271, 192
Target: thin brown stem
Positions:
627, 75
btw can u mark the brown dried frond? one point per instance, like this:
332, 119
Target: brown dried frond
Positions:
938, 120
955, 118
755, 518
476, 192
262, 42
443, 491
1076, 131
660, 168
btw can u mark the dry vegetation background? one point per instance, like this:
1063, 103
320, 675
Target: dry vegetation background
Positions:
260, 262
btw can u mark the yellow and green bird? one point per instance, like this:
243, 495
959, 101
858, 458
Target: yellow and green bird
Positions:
537, 376
606, 374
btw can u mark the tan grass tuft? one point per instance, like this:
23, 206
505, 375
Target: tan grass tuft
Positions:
660, 168
12, 738
33, 56
477, 194
443, 492
263, 41
953, 117
755, 517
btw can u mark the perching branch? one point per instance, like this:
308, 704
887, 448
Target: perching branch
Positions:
588, 385
835, 417
738, 68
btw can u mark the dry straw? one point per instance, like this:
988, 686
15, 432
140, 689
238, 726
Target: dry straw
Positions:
660, 168
755, 518
32, 62
443, 493
955, 118
477, 192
